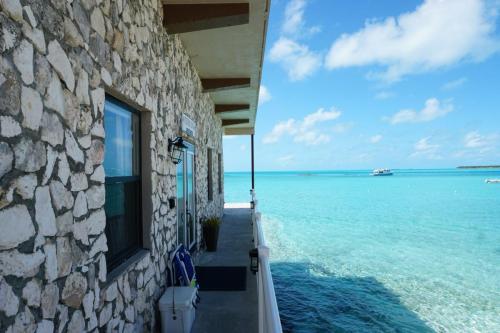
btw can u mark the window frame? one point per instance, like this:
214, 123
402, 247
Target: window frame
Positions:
118, 259
219, 171
210, 181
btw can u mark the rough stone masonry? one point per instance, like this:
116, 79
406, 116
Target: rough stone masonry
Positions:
58, 60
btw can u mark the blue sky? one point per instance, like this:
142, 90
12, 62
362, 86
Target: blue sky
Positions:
377, 83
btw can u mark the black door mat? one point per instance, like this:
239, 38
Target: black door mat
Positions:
222, 278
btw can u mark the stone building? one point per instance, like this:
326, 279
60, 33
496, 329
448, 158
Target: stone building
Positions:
91, 201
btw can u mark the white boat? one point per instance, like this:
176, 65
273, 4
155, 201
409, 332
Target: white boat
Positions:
382, 172
492, 181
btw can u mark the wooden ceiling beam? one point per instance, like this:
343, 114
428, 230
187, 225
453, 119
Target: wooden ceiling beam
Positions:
181, 18
211, 85
222, 108
238, 131
229, 122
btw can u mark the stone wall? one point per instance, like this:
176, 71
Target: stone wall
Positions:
58, 60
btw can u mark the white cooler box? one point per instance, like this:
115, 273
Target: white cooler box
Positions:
184, 298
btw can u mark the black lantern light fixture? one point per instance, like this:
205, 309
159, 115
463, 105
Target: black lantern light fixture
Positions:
176, 148
254, 260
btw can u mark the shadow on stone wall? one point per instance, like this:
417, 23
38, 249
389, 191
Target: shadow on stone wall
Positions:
321, 302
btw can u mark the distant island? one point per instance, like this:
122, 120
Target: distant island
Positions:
479, 167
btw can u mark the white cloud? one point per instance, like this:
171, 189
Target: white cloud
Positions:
423, 148
228, 137
298, 61
474, 140
454, 84
320, 116
311, 137
384, 95
433, 109
437, 34
303, 131
243, 147
376, 138
480, 143
280, 129
294, 23
294, 16
264, 94
342, 128
285, 160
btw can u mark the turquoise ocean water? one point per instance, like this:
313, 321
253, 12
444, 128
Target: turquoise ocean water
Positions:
415, 252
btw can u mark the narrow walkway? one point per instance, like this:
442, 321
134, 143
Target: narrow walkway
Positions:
230, 311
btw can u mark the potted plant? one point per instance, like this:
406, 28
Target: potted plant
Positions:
211, 232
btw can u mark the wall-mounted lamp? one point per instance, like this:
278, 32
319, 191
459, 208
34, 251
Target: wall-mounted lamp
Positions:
254, 260
176, 148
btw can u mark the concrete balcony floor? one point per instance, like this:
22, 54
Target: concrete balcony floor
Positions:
230, 311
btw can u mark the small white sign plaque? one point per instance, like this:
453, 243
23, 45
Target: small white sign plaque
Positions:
188, 126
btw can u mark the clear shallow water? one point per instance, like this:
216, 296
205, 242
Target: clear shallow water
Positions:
415, 252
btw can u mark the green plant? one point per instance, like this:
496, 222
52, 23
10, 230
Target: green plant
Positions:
212, 222
211, 232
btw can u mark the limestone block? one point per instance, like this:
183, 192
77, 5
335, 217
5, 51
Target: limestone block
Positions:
88, 304
49, 300
79, 182
45, 326
72, 148
49, 167
62, 316
64, 256
59, 60
71, 34
97, 22
74, 290
61, 197
96, 152
111, 293
96, 196
54, 98
32, 107
25, 186
64, 223
98, 175
13, 8
77, 323
44, 213
30, 156
36, 36
25, 322
105, 314
6, 158
80, 208
82, 88
9, 127
100, 245
16, 225
63, 168
9, 303
32, 293
28, 14
50, 262
102, 268
52, 129
20, 264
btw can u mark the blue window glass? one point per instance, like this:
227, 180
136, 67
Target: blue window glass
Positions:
123, 182
120, 125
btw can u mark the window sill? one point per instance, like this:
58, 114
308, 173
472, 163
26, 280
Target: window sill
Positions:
123, 267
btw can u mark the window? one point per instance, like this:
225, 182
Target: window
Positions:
219, 171
209, 178
123, 182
